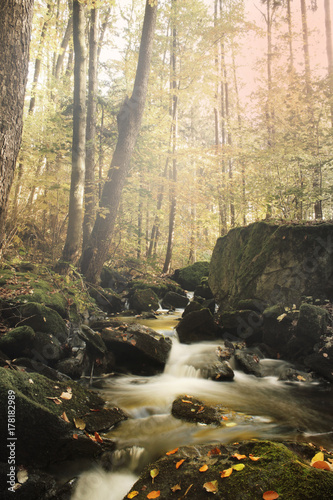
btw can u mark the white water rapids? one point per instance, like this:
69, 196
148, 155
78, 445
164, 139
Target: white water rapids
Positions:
262, 408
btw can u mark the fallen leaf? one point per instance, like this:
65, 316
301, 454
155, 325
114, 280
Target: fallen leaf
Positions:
238, 456
172, 451
254, 459
330, 460
66, 395
186, 401
79, 423
214, 451
55, 400
178, 464
98, 437
238, 467
175, 488
318, 457
133, 342
226, 472
132, 494
302, 379
320, 464
270, 495
75, 436
22, 476
64, 417
154, 473
30, 381
203, 468
90, 436
154, 494
211, 487
230, 424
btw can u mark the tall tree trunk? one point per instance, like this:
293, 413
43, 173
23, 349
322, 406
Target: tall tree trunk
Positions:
305, 34
72, 246
290, 39
173, 173
329, 51
63, 47
129, 122
90, 184
15, 30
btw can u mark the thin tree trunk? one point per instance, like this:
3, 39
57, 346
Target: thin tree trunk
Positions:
329, 51
15, 30
63, 47
129, 122
90, 184
290, 39
306, 52
73, 242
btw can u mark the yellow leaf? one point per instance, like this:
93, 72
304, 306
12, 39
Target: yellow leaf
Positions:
79, 423
132, 494
226, 472
211, 487
203, 468
154, 494
318, 457
154, 473
175, 488
238, 467
64, 417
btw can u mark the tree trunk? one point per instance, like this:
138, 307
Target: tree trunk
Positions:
90, 184
129, 122
306, 48
15, 29
75, 215
63, 47
329, 51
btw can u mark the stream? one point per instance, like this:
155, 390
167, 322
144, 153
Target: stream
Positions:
260, 408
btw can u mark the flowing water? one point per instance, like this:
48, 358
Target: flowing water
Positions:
261, 408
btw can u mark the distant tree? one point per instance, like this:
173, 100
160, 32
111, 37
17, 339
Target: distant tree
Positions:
15, 29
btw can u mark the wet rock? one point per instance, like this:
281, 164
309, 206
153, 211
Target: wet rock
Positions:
173, 299
197, 326
17, 341
74, 367
110, 278
252, 305
203, 290
191, 409
93, 340
104, 419
144, 300
242, 323
312, 323
284, 468
137, 349
43, 319
32, 365
190, 277
192, 306
108, 300
278, 327
321, 361
249, 361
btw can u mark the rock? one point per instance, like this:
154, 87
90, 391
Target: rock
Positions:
101, 421
43, 319
32, 365
73, 367
321, 361
160, 286
249, 361
284, 468
192, 306
137, 349
278, 328
17, 341
190, 277
190, 409
242, 323
203, 290
312, 323
49, 437
144, 300
197, 326
273, 263
94, 342
252, 305
173, 299
110, 278
108, 300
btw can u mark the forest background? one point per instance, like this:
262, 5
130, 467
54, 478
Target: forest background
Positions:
237, 124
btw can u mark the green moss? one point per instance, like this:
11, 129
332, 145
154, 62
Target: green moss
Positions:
16, 341
191, 276
160, 287
43, 319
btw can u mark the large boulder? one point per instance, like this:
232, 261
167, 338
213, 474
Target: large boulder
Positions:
197, 326
273, 263
190, 277
137, 349
173, 299
195, 472
144, 300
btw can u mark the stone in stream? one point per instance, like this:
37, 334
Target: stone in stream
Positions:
197, 326
191, 409
173, 299
254, 467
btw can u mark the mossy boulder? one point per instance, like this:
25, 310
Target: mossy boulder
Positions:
197, 326
43, 319
241, 323
191, 409
160, 286
312, 323
284, 468
17, 341
107, 299
190, 277
173, 299
273, 263
41, 431
144, 300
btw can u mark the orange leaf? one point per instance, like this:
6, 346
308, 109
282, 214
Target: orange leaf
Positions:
75, 436
64, 417
270, 495
211, 487
214, 451
185, 401
178, 464
66, 395
320, 464
203, 468
98, 438
133, 342
226, 472
238, 456
255, 459
154, 494
172, 451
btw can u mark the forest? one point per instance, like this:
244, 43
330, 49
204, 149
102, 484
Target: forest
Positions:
236, 128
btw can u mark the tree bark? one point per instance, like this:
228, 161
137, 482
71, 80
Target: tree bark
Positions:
329, 51
63, 47
72, 246
129, 122
90, 184
15, 30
